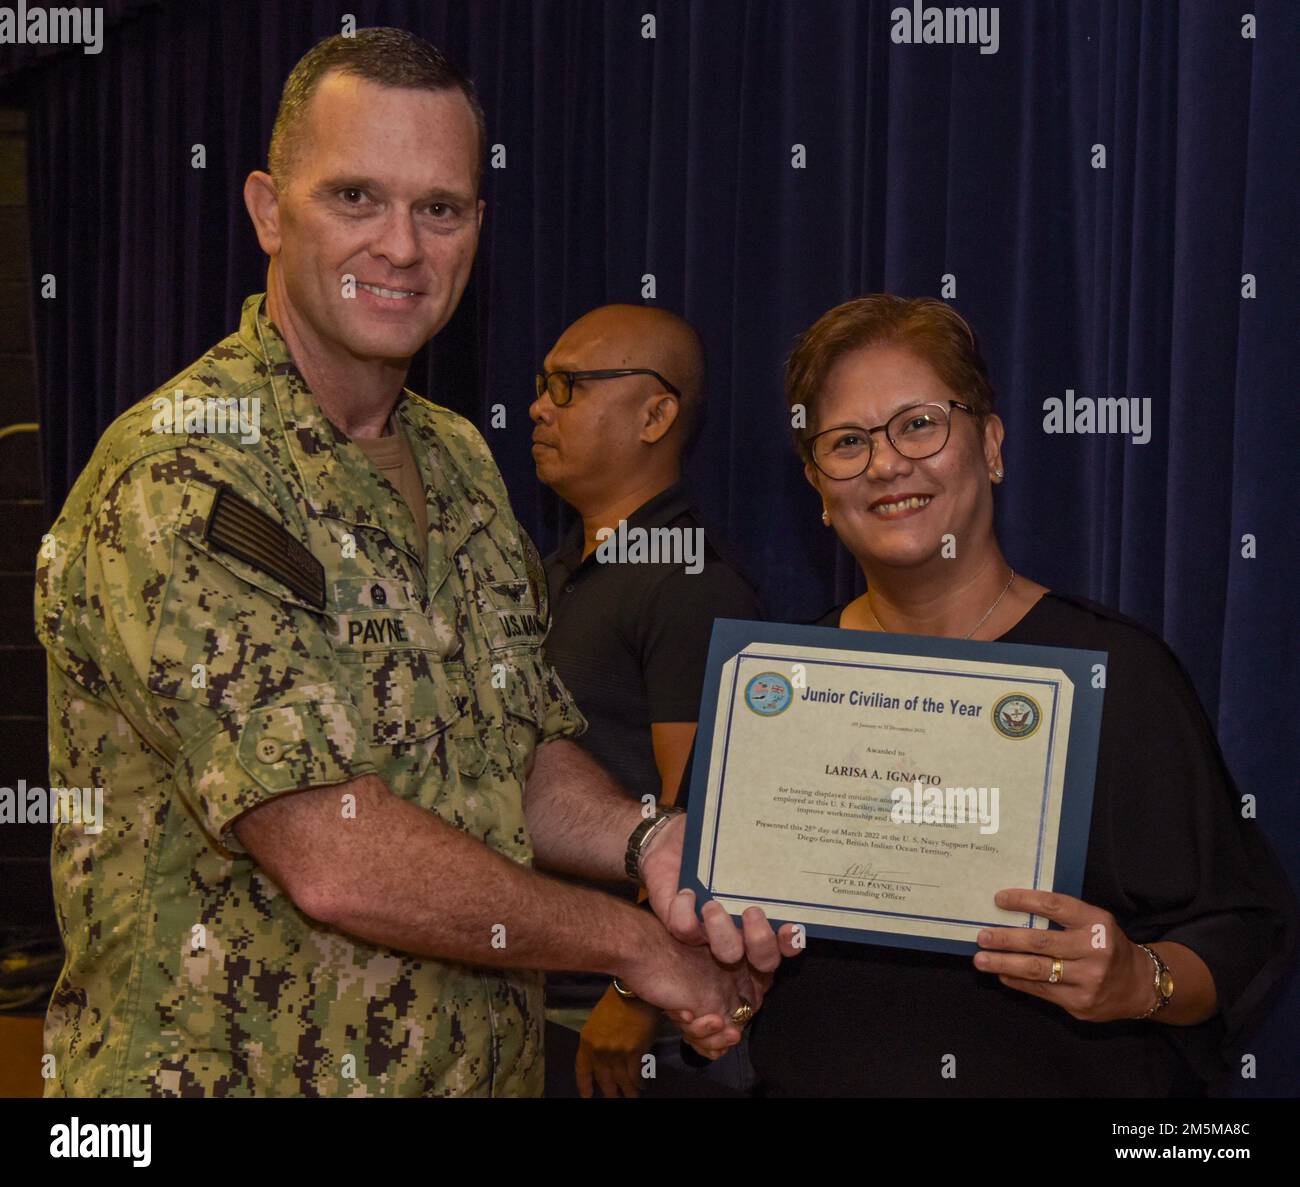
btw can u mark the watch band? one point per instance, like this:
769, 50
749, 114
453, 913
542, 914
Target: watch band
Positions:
1161, 973
640, 838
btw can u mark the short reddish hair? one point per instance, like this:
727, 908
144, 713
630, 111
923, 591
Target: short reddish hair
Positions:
929, 328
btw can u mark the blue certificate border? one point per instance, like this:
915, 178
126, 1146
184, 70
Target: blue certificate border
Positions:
739, 639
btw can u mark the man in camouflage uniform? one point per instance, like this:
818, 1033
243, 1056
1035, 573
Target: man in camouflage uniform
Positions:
234, 617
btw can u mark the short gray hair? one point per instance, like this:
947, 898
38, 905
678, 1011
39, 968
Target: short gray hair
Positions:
390, 57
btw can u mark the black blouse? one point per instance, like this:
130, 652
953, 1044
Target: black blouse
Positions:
1169, 855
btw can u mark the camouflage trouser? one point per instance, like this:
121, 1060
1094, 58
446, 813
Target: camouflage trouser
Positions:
572, 1017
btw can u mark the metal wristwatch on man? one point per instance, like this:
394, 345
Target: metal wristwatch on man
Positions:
637, 843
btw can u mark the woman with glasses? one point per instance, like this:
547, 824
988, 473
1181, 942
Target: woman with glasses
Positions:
1185, 920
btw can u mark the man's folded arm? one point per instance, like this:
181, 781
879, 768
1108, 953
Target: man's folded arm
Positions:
397, 875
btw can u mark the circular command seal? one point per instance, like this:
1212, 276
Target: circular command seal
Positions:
768, 694
1017, 715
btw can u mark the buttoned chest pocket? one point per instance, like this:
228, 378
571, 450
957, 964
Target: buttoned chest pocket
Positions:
510, 617
404, 671
378, 614
513, 631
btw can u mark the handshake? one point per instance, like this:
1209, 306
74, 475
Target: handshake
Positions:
706, 974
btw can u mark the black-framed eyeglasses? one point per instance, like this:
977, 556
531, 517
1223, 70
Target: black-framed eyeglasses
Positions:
916, 432
559, 384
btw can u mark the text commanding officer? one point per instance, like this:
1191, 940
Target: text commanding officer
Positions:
235, 617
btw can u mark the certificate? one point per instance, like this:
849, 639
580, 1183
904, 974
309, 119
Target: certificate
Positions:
882, 788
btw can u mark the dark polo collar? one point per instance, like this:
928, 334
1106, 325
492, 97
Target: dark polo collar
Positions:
658, 512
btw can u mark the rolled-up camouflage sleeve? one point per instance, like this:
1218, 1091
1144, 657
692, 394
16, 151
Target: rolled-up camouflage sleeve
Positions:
225, 667
558, 713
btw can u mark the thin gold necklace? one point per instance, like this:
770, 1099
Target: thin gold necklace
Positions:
871, 609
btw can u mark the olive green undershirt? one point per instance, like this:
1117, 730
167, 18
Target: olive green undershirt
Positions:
392, 457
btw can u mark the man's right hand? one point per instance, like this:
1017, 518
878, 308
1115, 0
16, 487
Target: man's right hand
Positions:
693, 989
754, 941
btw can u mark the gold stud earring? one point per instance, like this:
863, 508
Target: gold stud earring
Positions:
826, 517
997, 473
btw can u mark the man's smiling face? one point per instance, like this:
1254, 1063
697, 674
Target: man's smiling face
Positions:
381, 188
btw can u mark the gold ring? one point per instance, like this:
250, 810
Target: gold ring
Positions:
1057, 969
742, 1013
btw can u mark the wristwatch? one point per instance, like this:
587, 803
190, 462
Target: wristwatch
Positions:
640, 838
1163, 982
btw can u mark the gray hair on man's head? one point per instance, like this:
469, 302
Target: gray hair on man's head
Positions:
389, 57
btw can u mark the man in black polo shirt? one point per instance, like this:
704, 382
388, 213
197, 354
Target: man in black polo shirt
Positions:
634, 591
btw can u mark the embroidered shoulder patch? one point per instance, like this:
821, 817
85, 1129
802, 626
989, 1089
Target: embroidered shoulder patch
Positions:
536, 578
244, 531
